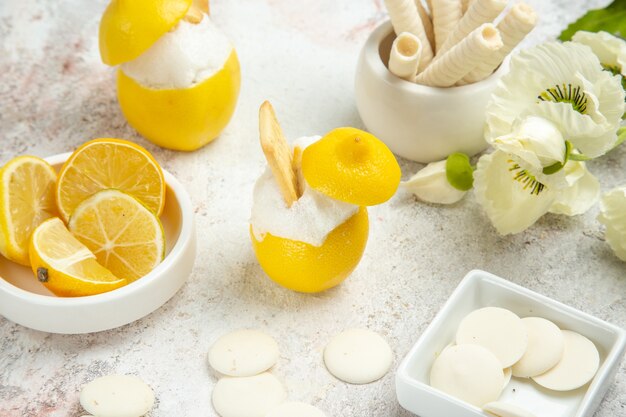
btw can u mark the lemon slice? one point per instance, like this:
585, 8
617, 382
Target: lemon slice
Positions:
26, 200
125, 236
110, 163
65, 266
351, 165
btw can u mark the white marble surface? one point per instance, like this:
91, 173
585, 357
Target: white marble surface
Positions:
55, 94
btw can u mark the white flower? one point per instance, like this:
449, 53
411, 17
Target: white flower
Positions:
613, 216
431, 184
513, 193
565, 84
610, 50
536, 140
581, 193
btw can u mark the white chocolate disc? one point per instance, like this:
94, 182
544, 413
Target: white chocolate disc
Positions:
502, 409
296, 410
358, 356
117, 396
252, 396
508, 373
545, 348
468, 372
243, 353
578, 365
497, 330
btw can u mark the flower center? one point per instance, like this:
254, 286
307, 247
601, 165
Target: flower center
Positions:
525, 178
565, 93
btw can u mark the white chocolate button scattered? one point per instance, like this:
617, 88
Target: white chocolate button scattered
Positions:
578, 365
358, 356
502, 409
296, 410
508, 373
468, 372
117, 396
252, 396
243, 353
545, 348
496, 329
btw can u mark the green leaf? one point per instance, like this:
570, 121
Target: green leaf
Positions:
612, 19
459, 171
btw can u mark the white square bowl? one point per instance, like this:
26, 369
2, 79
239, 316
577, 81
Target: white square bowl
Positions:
481, 289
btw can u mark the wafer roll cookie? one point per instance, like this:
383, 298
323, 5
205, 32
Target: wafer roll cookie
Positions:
446, 15
459, 60
405, 55
426, 22
404, 18
465, 5
481, 11
514, 27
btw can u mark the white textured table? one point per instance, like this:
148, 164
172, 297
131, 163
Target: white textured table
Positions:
55, 94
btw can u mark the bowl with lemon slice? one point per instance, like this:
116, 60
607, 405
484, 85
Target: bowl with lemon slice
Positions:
91, 240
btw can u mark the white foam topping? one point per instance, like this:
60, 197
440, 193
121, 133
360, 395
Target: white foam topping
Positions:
183, 57
309, 220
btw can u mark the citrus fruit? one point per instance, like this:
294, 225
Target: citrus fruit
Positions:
110, 163
129, 27
182, 119
302, 267
126, 237
26, 200
65, 266
351, 165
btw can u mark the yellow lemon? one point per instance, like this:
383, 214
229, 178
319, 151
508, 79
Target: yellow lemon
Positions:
65, 266
129, 27
110, 163
351, 165
302, 267
182, 119
26, 200
126, 237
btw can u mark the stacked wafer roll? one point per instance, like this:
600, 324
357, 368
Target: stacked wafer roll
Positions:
454, 42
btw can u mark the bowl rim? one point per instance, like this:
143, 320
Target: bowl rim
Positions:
372, 58
612, 359
185, 234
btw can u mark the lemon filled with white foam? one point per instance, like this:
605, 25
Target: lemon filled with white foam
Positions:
309, 223
179, 75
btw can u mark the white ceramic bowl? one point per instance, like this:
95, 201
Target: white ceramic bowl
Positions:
481, 289
418, 122
26, 301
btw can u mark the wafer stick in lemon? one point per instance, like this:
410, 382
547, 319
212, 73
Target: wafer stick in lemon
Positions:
196, 11
405, 56
404, 18
426, 22
481, 11
459, 60
514, 27
446, 15
278, 154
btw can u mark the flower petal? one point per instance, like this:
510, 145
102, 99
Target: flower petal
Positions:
430, 184
613, 216
610, 50
582, 193
509, 203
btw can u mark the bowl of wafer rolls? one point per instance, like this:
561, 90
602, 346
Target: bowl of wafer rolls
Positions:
425, 76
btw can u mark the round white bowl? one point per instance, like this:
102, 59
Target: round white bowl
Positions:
418, 122
24, 300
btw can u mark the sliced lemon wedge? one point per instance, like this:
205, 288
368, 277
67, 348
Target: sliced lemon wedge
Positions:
66, 266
